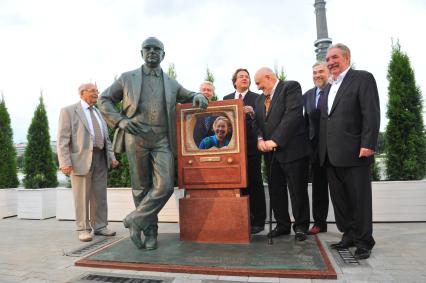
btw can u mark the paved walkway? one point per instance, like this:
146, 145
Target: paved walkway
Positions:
32, 251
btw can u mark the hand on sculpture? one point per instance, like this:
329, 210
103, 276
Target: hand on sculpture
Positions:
200, 101
128, 126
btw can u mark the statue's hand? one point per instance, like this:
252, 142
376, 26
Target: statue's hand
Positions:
200, 101
128, 126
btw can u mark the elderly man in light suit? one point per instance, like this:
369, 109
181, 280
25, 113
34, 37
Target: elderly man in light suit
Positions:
85, 153
146, 130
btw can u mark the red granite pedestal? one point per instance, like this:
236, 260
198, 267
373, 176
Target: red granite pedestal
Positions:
214, 216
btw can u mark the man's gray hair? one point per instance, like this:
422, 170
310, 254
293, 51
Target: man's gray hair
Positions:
319, 63
208, 83
345, 50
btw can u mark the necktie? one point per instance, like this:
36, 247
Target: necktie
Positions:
240, 96
267, 102
99, 141
320, 99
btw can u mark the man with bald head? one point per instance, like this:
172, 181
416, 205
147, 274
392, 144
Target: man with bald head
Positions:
282, 137
85, 153
146, 130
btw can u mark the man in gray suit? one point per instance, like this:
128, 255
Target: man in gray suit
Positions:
85, 153
146, 131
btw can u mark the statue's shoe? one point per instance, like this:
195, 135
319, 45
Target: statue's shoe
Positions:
135, 234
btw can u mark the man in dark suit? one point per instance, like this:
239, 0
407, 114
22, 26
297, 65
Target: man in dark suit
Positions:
349, 128
282, 137
255, 189
313, 100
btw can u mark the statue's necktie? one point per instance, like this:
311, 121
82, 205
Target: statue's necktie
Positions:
320, 99
99, 141
267, 102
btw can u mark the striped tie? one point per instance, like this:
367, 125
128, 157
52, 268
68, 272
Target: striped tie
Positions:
267, 102
99, 140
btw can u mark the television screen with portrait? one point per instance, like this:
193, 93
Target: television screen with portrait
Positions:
211, 145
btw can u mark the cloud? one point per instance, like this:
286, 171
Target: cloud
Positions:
57, 45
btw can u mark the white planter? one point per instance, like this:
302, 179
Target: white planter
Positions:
65, 204
120, 203
8, 202
36, 203
393, 201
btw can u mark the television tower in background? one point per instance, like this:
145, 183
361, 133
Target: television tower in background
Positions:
323, 41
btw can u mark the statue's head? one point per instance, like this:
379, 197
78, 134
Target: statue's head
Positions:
152, 52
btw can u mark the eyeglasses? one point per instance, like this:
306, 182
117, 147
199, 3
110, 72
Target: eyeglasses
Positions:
92, 90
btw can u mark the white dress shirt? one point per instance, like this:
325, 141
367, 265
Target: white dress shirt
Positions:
89, 119
243, 94
335, 85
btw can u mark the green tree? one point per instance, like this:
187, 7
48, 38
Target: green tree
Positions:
8, 174
279, 73
405, 133
171, 71
39, 167
119, 177
381, 145
375, 171
210, 78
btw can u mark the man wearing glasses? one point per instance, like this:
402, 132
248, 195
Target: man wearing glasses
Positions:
146, 131
85, 153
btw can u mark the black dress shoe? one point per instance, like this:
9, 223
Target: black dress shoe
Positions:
342, 245
300, 236
256, 229
362, 253
278, 231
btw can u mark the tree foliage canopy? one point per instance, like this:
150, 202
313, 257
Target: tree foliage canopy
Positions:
39, 167
405, 132
8, 174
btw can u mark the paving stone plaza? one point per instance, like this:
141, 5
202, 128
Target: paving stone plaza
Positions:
33, 251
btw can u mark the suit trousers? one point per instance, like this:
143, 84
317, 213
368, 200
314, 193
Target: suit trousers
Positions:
320, 197
90, 194
278, 196
293, 175
255, 190
350, 191
152, 174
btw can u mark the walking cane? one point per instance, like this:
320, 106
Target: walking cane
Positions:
270, 242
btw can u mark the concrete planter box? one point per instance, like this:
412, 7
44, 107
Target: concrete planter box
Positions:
36, 203
8, 202
393, 201
120, 203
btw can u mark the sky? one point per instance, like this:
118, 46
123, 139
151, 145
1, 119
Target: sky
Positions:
51, 47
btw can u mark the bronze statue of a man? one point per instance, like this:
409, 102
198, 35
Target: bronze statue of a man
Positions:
146, 131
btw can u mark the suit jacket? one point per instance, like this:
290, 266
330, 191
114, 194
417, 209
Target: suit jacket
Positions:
284, 123
251, 136
312, 118
353, 122
74, 141
127, 89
